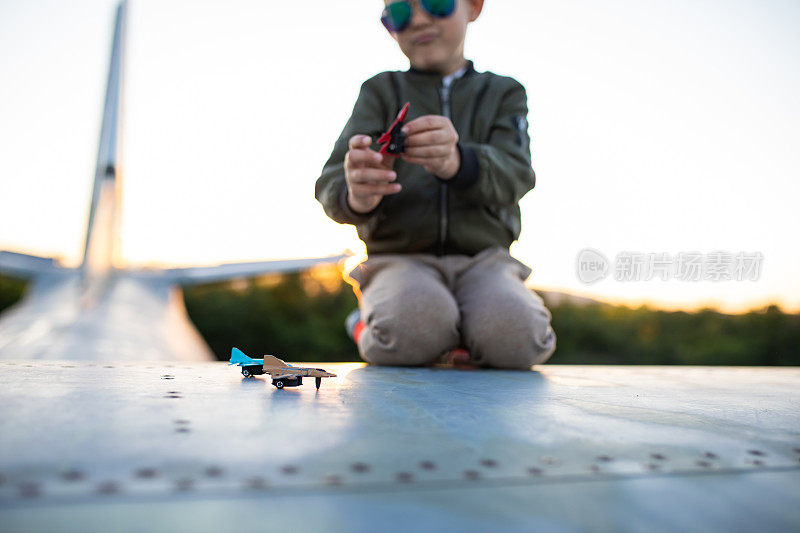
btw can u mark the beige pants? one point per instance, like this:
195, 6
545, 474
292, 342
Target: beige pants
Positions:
416, 307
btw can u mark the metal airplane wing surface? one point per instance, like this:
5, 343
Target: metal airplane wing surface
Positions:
27, 266
196, 275
194, 447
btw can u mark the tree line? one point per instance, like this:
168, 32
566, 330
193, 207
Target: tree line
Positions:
300, 317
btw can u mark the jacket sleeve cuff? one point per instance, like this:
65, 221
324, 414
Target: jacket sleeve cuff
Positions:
352, 215
468, 171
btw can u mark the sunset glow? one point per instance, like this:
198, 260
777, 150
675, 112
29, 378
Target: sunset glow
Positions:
655, 128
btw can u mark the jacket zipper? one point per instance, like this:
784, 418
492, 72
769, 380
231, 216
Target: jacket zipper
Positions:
444, 98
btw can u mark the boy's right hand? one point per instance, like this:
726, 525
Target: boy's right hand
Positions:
369, 175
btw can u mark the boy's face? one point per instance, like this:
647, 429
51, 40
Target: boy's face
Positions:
437, 44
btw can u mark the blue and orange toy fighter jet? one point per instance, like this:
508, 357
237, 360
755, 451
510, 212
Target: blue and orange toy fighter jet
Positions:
283, 375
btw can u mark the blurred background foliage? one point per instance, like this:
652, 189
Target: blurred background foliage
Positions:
11, 290
300, 317
297, 317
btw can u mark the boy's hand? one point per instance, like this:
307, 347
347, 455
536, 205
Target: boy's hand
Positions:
369, 175
431, 142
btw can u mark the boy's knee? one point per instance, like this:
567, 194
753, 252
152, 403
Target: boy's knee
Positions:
512, 337
518, 349
414, 330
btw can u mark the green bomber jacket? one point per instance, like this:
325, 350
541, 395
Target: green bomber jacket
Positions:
479, 207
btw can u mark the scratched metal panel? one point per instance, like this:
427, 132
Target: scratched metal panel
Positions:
458, 448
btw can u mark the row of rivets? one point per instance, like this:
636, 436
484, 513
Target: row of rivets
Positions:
32, 489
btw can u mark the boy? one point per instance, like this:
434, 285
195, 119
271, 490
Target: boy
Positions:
437, 221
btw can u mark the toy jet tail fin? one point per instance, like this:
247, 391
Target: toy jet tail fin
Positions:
238, 357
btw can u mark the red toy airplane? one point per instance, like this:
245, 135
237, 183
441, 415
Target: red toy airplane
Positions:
393, 141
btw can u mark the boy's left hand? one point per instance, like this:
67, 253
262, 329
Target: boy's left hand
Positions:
431, 142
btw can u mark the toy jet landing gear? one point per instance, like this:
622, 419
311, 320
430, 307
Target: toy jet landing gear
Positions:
252, 370
287, 382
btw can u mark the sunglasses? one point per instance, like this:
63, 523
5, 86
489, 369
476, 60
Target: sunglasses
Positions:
396, 16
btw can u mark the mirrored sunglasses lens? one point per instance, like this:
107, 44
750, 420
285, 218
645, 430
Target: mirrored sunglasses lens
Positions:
439, 8
396, 16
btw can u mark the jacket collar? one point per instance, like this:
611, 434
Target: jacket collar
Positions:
426, 74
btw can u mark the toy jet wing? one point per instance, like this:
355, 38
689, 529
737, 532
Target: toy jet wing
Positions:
393, 141
315, 372
277, 368
281, 376
278, 374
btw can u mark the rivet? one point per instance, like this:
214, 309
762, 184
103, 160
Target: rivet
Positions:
658, 456
604, 458
756, 462
535, 471
472, 475
756, 452
709, 455
72, 475
488, 463
184, 484
30, 490
704, 464
108, 366
359, 468
181, 422
255, 483
333, 479
427, 465
182, 430
213, 471
652, 466
404, 477
146, 473
108, 487
173, 396
167, 376
289, 469
796, 450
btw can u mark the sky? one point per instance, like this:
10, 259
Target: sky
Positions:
657, 127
